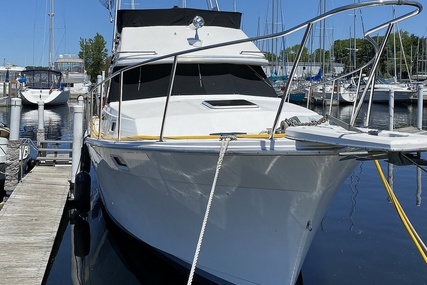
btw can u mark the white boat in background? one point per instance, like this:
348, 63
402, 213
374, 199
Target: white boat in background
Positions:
381, 93
76, 80
340, 94
198, 158
8, 74
346, 92
423, 85
42, 85
8, 84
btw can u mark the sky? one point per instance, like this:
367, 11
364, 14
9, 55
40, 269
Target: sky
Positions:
25, 33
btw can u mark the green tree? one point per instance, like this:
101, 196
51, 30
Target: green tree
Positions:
95, 55
400, 52
271, 57
291, 53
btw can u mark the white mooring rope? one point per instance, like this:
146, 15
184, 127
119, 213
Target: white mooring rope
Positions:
224, 146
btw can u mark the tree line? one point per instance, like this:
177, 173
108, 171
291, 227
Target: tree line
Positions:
404, 55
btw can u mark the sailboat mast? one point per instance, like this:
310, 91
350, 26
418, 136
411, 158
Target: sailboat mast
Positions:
51, 39
354, 39
394, 48
323, 38
273, 40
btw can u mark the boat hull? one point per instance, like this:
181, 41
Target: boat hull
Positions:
49, 98
383, 96
262, 219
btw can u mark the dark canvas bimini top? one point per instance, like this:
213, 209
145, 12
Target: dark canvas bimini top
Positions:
176, 17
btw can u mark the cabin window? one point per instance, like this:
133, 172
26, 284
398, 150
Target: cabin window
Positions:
200, 79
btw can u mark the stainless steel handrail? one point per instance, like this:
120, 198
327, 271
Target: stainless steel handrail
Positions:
308, 24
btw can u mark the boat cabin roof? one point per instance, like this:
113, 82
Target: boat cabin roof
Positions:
147, 34
175, 17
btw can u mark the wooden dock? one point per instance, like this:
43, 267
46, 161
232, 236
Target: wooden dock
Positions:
29, 222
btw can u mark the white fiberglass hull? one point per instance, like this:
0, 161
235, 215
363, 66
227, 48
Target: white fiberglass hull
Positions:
346, 97
382, 95
48, 97
267, 206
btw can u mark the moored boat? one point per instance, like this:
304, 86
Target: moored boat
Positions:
76, 80
42, 85
8, 75
382, 90
197, 157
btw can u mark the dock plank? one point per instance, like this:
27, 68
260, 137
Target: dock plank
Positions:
29, 222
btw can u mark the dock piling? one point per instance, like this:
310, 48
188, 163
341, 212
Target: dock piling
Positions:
40, 128
14, 144
420, 106
391, 110
77, 140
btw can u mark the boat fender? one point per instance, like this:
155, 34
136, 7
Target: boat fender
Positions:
85, 159
81, 237
30, 165
82, 192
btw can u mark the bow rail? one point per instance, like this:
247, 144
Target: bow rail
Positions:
417, 8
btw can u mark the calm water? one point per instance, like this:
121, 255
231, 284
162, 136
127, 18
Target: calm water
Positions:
361, 240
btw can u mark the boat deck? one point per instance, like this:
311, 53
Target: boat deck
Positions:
29, 222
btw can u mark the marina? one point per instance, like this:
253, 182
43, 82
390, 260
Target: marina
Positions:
185, 164
361, 238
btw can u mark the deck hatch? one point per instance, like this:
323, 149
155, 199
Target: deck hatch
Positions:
226, 104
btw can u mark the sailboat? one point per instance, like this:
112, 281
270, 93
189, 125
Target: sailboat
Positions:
197, 157
44, 85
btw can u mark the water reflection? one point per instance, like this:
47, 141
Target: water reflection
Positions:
94, 250
56, 123
103, 254
419, 188
353, 185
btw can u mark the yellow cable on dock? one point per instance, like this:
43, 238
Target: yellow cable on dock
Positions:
412, 232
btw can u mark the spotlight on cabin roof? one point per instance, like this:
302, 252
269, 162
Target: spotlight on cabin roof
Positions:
197, 23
